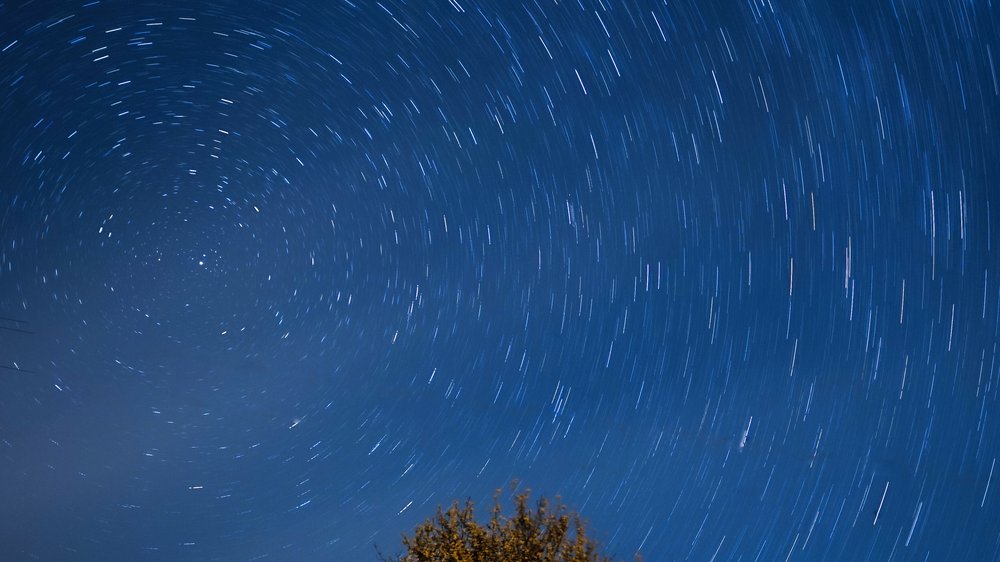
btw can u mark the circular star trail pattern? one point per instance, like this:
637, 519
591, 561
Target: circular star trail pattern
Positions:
724, 276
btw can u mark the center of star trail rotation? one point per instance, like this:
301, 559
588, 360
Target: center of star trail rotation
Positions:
723, 276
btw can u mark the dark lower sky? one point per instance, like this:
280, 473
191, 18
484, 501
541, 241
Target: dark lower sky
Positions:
279, 278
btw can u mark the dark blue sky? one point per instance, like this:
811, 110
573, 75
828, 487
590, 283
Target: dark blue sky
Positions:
723, 275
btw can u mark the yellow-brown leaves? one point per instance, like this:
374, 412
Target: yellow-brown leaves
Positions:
546, 532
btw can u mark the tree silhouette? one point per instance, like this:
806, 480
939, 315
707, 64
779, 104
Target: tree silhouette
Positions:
547, 532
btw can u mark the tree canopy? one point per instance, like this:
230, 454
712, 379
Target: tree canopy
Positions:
545, 532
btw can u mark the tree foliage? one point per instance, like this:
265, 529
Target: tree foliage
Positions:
547, 532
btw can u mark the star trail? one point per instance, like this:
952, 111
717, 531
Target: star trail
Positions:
279, 278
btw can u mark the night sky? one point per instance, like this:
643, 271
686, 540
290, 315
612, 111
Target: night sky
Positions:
279, 278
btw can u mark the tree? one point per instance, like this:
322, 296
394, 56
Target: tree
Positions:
549, 532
